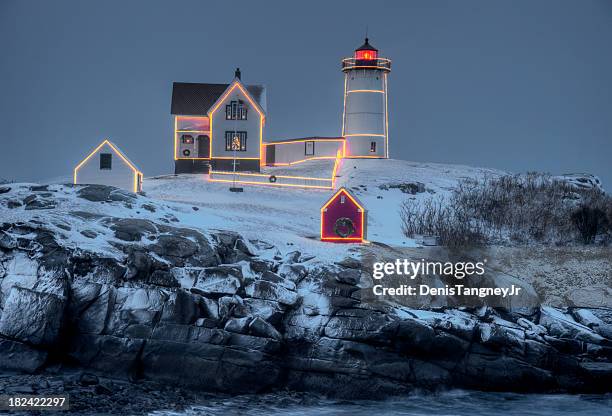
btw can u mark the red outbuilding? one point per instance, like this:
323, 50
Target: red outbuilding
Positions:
343, 219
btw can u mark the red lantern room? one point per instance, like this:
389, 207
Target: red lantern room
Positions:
366, 52
343, 219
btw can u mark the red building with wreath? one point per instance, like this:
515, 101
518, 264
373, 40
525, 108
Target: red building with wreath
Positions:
343, 219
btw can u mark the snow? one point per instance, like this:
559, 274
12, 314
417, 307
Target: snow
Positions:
288, 218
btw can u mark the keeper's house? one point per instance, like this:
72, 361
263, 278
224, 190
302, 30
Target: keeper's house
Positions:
215, 123
107, 165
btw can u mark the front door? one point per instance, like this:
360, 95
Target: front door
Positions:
203, 146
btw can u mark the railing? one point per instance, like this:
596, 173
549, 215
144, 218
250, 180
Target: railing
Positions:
379, 63
271, 180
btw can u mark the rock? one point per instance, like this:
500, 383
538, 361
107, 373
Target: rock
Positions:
238, 325
95, 193
261, 289
261, 328
89, 233
268, 310
209, 308
206, 323
174, 246
16, 356
163, 278
11, 203
350, 263
244, 246
88, 379
232, 306
292, 257
32, 317
181, 308
348, 276
594, 296
259, 265
293, 272
39, 188
38, 203
132, 229
7, 241
148, 207
4, 189
561, 325
274, 278
218, 281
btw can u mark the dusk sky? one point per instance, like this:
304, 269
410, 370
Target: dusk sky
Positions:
517, 85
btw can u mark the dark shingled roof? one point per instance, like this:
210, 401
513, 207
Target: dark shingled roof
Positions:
366, 46
193, 99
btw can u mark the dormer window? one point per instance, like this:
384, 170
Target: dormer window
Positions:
236, 110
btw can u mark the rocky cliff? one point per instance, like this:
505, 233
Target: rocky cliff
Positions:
211, 310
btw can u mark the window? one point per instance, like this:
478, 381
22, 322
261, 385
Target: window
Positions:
187, 139
342, 199
236, 110
106, 161
235, 140
309, 148
373, 147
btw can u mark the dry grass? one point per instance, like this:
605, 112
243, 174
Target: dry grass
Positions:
513, 208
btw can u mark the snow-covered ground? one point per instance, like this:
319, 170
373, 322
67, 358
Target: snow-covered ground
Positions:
291, 216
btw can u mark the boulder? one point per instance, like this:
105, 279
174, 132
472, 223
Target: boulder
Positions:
16, 356
562, 325
238, 325
32, 317
261, 328
262, 289
181, 308
293, 272
218, 281
594, 296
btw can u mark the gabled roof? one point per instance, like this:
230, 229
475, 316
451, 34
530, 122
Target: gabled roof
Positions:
195, 99
236, 83
351, 196
115, 149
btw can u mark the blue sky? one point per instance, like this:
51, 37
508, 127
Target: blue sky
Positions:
517, 85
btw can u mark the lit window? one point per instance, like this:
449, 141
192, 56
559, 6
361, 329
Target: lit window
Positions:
236, 110
342, 199
187, 139
106, 161
235, 141
366, 55
373, 147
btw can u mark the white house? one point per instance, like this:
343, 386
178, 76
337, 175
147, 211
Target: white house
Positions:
107, 165
217, 123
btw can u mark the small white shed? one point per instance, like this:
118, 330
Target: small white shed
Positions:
107, 165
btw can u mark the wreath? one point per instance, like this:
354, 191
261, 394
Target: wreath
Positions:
344, 227
272, 178
186, 152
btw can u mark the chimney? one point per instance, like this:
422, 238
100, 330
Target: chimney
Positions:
237, 73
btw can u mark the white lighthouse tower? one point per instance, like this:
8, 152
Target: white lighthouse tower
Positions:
365, 118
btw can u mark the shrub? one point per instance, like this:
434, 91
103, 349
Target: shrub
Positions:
589, 222
521, 208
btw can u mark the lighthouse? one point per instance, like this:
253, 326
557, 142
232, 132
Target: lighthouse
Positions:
365, 119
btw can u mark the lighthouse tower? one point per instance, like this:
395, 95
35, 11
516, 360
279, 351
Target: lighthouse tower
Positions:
365, 118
